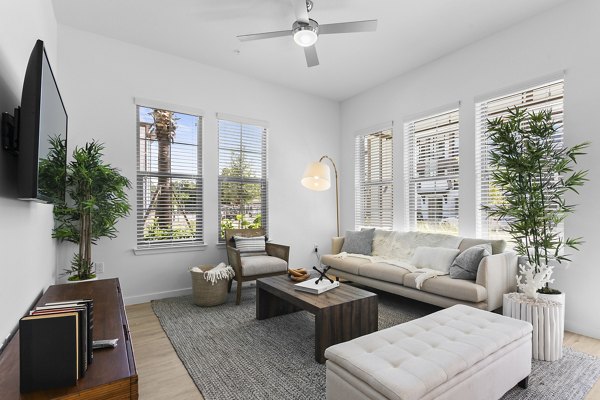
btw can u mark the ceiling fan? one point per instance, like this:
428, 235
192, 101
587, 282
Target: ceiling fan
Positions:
306, 31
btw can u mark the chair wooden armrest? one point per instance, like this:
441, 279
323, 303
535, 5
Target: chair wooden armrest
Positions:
278, 250
233, 256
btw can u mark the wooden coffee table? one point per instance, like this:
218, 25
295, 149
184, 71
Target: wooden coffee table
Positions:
341, 314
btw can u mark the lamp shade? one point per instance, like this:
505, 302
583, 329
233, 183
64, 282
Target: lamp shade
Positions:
317, 176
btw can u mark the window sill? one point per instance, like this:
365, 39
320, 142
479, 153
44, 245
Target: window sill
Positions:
160, 250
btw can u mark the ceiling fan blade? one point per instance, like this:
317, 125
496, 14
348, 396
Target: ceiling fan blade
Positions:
349, 27
311, 56
264, 35
300, 10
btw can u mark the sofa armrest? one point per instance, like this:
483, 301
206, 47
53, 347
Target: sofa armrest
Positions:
278, 250
336, 244
498, 274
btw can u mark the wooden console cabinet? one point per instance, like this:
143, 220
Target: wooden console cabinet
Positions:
112, 375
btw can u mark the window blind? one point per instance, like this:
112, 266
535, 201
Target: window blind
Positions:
431, 173
374, 173
242, 176
547, 96
169, 179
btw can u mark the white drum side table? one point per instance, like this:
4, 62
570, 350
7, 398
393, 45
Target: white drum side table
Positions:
547, 318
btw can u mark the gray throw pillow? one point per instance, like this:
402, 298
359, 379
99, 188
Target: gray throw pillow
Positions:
466, 264
359, 242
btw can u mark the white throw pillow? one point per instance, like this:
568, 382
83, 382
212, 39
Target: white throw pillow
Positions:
250, 246
438, 258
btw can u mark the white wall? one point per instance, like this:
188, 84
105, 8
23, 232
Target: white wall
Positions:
560, 39
26, 247
102, 76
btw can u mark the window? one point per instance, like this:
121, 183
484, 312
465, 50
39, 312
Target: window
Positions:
546, 96
242, 174
374, 180
431, 169
169, 179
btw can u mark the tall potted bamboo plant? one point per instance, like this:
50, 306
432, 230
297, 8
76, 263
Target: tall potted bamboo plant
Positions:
95, 200
534, 172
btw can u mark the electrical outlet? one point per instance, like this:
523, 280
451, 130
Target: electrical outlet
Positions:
316, 248
99, 267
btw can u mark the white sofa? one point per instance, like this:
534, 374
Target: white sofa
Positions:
495, 276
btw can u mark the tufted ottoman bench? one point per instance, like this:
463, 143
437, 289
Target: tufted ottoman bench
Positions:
457, 353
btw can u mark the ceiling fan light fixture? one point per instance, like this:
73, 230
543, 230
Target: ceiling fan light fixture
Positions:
305, 35
305, 38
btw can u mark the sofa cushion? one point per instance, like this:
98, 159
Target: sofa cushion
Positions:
466, 264
383, 272
383, 240
438, 258
498, 246
359, 242
445, 286
258, 265
401, 245
348, 264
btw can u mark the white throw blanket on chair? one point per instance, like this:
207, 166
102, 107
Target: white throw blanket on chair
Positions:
424, 273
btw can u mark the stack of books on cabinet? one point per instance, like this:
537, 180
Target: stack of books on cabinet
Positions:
56, 343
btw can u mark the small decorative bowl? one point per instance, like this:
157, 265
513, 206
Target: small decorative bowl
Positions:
299, 278
296, 277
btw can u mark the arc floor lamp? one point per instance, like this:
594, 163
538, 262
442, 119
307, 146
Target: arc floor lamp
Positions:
317, 176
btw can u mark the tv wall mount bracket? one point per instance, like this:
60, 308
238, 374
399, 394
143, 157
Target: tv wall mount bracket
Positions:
9, 129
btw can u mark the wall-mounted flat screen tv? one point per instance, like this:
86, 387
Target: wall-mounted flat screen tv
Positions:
42, 117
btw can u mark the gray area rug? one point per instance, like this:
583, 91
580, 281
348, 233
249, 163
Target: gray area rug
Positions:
231, 355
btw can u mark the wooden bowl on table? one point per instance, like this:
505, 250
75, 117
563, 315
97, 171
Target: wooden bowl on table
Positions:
298, 274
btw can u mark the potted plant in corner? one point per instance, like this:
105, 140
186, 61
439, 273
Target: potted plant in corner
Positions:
89, 198
534, 172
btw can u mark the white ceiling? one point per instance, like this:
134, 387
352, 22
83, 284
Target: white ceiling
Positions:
409, 34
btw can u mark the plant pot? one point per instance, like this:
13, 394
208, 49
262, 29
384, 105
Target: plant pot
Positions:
83, 280
559, 298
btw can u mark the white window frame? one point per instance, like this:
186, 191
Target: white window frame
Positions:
374, 178
144, 246
262, 180
440, 194
547, 93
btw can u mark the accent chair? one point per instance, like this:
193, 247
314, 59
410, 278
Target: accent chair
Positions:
249, 266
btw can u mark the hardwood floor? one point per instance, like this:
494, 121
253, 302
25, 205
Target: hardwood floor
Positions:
163, 376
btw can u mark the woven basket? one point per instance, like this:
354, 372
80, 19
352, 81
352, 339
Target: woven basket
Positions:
204, 292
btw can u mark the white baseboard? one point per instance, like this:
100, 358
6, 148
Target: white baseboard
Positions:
582, 329
145, 298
